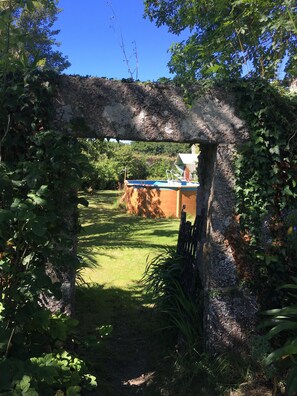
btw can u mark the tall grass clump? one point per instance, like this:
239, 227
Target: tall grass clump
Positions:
182, 312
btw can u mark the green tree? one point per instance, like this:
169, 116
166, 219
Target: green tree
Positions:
109, 162
94, 148
27, 34
129, 164
37, 28
227, 37
19, 117
167, 148
158, 165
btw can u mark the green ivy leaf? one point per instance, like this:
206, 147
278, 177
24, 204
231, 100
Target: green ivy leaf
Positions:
91, 379
37, 200
30, 392
287, 191
274, 150
24, 384
38, 228
73, 391
43, 190
27, 259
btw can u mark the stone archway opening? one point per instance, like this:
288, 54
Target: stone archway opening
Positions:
98, 108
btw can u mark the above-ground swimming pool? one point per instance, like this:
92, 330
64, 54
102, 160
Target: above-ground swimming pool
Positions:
160, 198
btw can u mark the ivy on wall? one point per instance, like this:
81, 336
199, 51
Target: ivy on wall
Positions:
266, 189
39, 172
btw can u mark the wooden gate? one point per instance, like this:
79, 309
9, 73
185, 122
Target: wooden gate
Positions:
187, 246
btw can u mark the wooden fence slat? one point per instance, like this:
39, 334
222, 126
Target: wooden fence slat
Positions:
187, 245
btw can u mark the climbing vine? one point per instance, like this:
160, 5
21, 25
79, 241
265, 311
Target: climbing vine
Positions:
266, 188
39, 174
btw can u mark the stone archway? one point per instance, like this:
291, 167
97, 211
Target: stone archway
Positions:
99, 108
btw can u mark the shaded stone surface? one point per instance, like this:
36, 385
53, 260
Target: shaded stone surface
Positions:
230, 312
231, 318
96, 107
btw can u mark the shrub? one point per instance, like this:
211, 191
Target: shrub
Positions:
283, 322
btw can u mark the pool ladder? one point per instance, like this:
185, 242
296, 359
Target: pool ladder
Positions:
171, 177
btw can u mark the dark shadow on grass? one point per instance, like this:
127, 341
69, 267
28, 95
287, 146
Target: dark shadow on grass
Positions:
106, 226
133, 350
137, 356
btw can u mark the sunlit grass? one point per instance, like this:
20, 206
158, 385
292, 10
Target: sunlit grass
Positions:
117, 244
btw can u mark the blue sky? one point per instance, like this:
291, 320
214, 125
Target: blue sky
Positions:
91, 38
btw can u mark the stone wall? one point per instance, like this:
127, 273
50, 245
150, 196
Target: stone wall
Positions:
93, 107
96, 107
230, 310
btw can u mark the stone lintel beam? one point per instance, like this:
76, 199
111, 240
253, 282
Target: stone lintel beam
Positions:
101, 108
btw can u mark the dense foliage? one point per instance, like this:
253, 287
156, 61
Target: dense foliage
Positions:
39, 172
266, 192
109, 163
37, 177
227, 37
27, 34
165, 148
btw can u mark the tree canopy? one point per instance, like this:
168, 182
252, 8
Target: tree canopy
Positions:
230, 37
27, 34
167, 148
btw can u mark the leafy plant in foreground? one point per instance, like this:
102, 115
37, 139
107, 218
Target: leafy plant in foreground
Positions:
35, 234
39, 173
283, 322
194, 369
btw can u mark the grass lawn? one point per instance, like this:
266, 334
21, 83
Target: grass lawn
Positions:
117, 246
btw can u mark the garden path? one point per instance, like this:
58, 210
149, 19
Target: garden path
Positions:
120, 332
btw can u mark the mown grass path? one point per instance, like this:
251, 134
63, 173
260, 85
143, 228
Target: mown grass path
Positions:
117, 245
